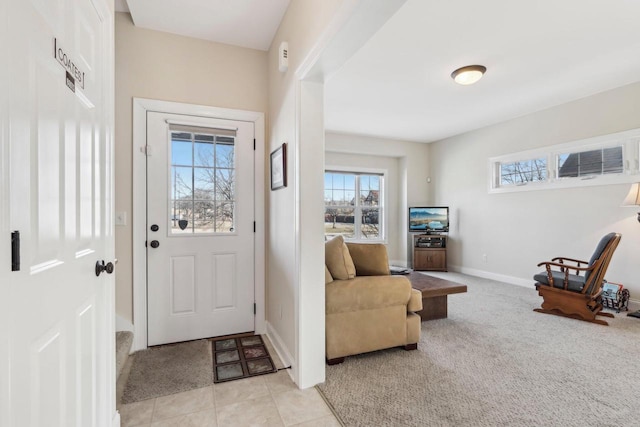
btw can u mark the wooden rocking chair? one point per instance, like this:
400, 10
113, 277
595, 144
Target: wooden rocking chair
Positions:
573, 295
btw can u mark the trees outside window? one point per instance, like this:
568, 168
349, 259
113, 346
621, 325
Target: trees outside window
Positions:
202, 183
523, 171
353, 205
601, 160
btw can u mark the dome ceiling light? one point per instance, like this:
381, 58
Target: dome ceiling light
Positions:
468, 75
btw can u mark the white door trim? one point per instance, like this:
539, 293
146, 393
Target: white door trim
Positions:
5, 240
139, 214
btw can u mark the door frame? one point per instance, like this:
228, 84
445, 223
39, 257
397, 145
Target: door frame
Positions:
5, 240
140, 108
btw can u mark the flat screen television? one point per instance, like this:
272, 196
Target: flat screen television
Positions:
429, 219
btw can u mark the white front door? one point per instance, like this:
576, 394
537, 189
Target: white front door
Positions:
60, 333
200, 227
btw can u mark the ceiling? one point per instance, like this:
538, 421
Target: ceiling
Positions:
538, 54
397, 85
245, 23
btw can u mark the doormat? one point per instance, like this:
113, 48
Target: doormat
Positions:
235, 358
168, 369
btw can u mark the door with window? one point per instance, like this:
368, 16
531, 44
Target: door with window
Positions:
59, 342
200, 227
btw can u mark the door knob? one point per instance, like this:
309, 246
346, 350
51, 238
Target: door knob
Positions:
155, 244
100, 267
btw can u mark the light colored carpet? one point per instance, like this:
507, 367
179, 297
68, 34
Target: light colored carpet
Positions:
169, 369
495, 362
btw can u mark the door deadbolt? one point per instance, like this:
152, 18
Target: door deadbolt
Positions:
155, 227
155, 244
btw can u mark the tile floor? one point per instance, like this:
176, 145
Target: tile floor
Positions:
266, 400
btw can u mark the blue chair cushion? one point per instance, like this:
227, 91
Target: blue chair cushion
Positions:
599, 250
576, 283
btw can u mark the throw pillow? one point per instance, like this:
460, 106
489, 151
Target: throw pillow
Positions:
327, 276
338, 260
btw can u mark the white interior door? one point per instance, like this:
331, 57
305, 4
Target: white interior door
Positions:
200, 227
61, 330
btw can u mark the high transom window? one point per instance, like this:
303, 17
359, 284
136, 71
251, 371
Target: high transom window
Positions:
593, 162
523, 171
608, 159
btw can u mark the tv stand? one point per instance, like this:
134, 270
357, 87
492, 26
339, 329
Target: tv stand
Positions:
430, 252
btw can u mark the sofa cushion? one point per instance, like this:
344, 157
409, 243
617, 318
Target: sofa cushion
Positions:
367, 293
338, 260
327, 275
370, 259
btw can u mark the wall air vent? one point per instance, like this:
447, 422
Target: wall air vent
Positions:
283, 57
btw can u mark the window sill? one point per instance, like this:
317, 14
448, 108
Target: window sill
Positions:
588, 181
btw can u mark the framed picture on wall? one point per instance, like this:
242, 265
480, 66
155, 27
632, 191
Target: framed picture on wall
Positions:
279, 167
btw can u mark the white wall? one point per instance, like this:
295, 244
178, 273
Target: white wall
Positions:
292, 251
322, 34
156, 65
410, 184
518, 230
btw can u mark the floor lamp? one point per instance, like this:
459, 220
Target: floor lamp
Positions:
633, 199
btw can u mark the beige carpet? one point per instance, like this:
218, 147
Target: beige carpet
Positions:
495, 362
169, 369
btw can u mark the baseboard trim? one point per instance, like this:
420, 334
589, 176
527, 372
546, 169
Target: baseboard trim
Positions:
399, 263
123, 324
634, 304
527, 283
115, 421
279, 346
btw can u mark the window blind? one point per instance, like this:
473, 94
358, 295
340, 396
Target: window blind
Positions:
177, 127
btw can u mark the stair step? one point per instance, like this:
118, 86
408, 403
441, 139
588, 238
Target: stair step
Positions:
124, 340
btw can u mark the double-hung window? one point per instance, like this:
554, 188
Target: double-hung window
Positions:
353, 205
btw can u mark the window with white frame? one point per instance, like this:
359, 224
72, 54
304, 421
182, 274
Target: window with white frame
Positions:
609, 159
353, 205
593, 162
523, 171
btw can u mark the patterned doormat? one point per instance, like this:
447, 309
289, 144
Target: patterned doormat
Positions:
235, 358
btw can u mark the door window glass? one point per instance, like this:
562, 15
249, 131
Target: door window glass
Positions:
202, 193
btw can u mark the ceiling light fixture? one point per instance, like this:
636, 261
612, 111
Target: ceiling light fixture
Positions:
468, 75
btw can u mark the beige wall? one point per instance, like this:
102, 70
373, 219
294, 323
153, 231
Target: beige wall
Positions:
157, 65
520, 229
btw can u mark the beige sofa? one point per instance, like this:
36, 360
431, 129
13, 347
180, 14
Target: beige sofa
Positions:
367, 309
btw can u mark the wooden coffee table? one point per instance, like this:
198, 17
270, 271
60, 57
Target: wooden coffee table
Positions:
434, 294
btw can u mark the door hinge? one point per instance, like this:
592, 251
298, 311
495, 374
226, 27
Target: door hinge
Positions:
254, 144
146, 150
15, 251
254, 308
254, 226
